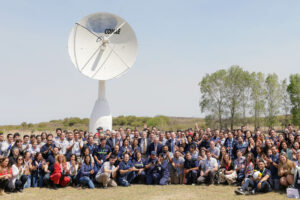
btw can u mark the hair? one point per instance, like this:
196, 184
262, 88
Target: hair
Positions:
8, 165
37, 155
25, 136
223, 164
58, 129
84, 159
58, 156
252, 156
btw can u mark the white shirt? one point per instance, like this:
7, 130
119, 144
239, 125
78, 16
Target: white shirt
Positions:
76, 149
106, 165
62, 145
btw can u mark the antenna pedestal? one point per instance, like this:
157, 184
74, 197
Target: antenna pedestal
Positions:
101, 116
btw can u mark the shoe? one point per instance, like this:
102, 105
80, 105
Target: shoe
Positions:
54, 187
252, 192
104, 187
239, 192
20, 190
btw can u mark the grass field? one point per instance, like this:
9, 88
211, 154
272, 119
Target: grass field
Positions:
141, 192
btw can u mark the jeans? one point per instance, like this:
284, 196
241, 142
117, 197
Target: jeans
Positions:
126, 179
265, 186
19, 184
37, 181
46, 180
87, 181
191, 177
28, 182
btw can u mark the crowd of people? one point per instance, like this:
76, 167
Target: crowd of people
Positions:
252, 161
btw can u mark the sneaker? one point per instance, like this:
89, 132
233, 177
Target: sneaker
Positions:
252, 192
54, 187
239, 192
20, 190
104, 187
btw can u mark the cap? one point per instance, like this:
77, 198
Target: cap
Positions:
153, 153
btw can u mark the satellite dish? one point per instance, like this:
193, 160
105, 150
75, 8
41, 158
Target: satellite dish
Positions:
102, 46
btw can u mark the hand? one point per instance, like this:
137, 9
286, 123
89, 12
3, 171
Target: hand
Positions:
259, 185
92, 171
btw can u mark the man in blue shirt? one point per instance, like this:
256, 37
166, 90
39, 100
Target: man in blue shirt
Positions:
273, 162
101, 154
126, 171
190, 169
158, 170
230, 144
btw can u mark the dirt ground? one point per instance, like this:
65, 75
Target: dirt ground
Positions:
141, 192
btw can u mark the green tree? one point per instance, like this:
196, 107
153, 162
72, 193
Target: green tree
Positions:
257, 96
212, 89
294, 92
234, 89
273, 98
286, 102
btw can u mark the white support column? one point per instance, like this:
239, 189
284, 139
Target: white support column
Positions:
101, 116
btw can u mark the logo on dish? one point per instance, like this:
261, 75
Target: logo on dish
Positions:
111, 30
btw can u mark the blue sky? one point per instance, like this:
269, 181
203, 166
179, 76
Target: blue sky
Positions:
179, 42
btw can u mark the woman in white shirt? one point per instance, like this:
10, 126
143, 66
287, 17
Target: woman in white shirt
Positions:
19, 178
72, 168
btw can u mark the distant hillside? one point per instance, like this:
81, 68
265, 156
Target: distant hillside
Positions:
163, 122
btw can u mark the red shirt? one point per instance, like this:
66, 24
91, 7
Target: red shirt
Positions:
5, 171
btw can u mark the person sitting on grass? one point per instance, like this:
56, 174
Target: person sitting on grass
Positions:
263, 182
227, 172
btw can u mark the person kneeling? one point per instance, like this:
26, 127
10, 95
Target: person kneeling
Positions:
126, 171
158, 171
107, 173
208, 170
259, 182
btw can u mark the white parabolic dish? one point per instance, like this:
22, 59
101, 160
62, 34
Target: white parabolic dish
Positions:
102, 46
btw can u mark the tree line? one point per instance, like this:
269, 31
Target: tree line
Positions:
230, 97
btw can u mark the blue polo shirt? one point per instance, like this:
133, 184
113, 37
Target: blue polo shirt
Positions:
125, 166
101, 153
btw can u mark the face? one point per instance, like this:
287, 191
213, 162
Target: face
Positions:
248, 157
165, 149
87, 159
112, 161
177, 154
282, 159
117, 148
126, 158
5, 162
226, 157
274, 150
188, 156
284, 145
49, 140
208, 155
72, 158
103, 143
20, 160
212, 145
261, 165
